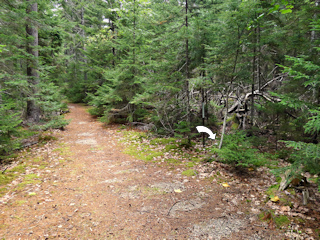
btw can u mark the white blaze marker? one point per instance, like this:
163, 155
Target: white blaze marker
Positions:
206, 130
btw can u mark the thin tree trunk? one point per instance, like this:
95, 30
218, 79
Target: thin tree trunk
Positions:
253, 79
33, 110
187, 66
228, 90
224, 120
259, 59
113, 37
85, 76
134, 35
314, 35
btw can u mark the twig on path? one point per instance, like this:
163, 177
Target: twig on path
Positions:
5, 169
172, 207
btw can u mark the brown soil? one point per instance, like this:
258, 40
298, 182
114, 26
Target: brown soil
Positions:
89, 189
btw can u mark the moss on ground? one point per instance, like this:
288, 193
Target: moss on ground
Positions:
144, 147
144, 153
63, 150
28, 179
20, 202
173, 161
189, 172
152, 191
6, 178
281, 221
272, 190
163, 141
190, 164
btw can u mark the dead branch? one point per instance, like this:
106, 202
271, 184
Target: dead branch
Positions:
243, 101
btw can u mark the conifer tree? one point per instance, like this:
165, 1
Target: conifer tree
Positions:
33, 111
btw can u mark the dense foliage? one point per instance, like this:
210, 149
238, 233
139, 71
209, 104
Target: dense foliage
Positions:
229, 64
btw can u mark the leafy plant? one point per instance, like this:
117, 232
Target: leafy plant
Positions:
238, 150
9, 121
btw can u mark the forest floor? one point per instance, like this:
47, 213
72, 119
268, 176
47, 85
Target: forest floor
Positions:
83, 186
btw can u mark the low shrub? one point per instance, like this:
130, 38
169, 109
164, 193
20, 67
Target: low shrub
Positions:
237, 150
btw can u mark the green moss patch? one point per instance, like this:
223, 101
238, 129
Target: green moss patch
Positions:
6, 178
20, 202
28, 179
162, 141
281, 221
189, 172
272, 190
190, 164
172, 161
19, 169
64, 151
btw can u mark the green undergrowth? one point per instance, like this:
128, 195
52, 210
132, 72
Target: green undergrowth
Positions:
189, 172
172, 151
27, 159
279, 220
28, 179
240, 150
63, 150
8, 176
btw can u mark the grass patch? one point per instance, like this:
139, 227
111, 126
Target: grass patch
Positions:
189, 172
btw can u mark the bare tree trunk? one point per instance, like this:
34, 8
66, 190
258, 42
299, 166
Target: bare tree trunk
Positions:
314, 35
253, 79
85, 76
33, 111
113, 37
187, 66
134, 31
229, 89
224, 121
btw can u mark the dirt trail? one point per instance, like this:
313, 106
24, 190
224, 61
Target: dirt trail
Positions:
100, 193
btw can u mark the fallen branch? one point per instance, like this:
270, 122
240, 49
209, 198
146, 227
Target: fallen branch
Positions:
172, 207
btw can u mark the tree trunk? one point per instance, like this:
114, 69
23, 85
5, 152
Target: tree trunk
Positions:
85, 76
224, 121
187, 66
134, 36
113, 37
314, 35
33, 111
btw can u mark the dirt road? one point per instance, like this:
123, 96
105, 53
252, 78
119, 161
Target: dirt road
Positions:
83, 187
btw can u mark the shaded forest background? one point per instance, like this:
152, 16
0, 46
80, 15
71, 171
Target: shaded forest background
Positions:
249, 69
